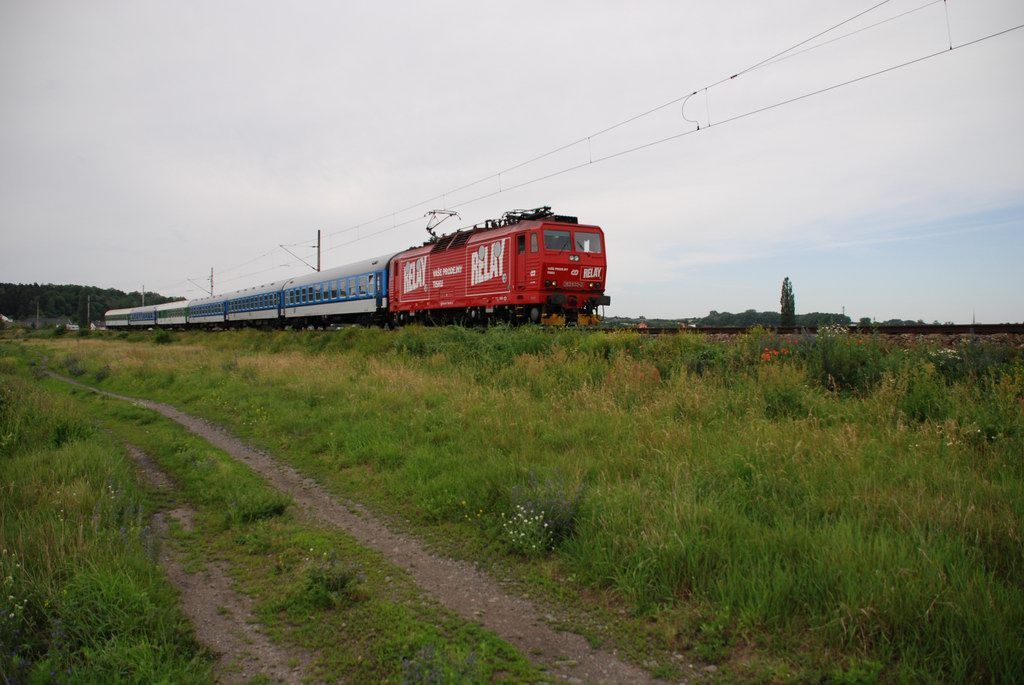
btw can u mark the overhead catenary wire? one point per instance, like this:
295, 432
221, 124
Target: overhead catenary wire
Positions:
677, 136
443, 196
497, 175
850, 33
768, 61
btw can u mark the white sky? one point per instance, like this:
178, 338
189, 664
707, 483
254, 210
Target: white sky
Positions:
144, 142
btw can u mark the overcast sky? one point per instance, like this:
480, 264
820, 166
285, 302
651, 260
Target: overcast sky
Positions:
144, 142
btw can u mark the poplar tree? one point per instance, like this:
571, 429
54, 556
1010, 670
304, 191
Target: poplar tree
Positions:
788, 303
83, 309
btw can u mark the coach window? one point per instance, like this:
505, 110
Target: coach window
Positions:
588, 242
369, 284
316, 293
533, 242
521, 243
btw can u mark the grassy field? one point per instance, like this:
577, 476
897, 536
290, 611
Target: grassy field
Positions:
82, 599
802, 508
89, 604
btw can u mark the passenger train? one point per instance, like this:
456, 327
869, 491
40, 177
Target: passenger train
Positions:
528, 266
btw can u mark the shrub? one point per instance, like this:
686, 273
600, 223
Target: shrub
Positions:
331, 582
162, 337
246, 506
994, 410
73, 365
543, 516
925, 396
783, 391
843, 362
525, 531
68, 429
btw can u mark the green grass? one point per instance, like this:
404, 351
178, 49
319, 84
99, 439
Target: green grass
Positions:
844, 509
81, 597
361, 619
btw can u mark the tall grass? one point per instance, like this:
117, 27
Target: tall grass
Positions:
81, 599
843, 503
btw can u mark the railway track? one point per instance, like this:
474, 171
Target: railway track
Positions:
920, 329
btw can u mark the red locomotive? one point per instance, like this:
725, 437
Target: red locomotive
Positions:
528, 266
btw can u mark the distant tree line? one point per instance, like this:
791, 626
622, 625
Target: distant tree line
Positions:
18, 300
742, 319
751, 317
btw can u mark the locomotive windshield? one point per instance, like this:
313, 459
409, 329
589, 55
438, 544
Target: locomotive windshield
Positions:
557, 240
588, 242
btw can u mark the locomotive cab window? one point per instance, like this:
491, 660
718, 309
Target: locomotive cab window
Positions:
588, 242
533, 242
557, 240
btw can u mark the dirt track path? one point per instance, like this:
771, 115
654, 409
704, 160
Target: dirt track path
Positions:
458, 585
221, 616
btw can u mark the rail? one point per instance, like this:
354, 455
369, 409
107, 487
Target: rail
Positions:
917, 329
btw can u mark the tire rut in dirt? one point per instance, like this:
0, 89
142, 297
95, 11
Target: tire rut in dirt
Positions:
458, 585
222, 618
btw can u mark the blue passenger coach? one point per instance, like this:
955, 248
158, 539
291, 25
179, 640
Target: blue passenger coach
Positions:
355, 292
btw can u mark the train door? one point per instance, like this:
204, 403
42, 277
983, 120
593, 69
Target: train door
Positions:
521, 261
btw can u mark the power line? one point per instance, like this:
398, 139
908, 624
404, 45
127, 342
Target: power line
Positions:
612, 127
291, 262
677, 136
497, 176
768, 61
851, 33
